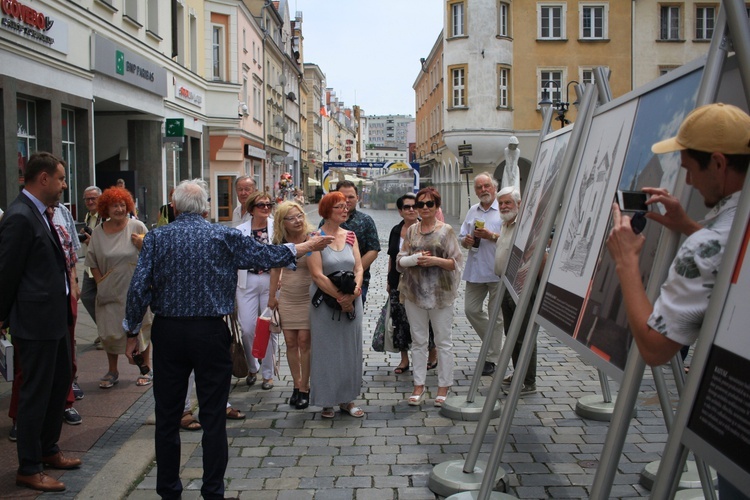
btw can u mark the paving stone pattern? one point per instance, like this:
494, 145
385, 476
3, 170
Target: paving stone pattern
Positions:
286, 454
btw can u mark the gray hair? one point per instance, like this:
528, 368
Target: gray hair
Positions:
244, 178
93, 188
488, 175
191, 197
512, 191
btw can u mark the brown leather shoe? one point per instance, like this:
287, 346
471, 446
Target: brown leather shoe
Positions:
40, 481
60, 461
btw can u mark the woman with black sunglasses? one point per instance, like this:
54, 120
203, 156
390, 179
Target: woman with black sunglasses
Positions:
253, 288
401, 330
430, 260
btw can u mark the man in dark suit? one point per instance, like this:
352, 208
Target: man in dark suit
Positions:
34, 300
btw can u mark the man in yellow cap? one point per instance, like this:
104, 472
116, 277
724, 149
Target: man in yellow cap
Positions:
714, 146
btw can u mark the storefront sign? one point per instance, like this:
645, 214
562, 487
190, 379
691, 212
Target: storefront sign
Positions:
187, 93
34, 25
254, 152
127, 66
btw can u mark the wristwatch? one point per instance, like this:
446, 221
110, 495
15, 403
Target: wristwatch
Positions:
130, 334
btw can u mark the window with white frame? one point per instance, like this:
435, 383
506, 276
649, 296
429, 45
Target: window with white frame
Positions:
503, 87
594, 22
458, 18
550, 84
458, 86
587, 76
130, 9
25, 132
152, 16
217, 52
705, 18
551, 21
666, 68
68, 126
670, 22
257, 100
503, 16
193, 27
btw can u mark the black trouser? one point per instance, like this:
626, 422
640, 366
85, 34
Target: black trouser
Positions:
88, 295
46, 369
182, 345
509, 308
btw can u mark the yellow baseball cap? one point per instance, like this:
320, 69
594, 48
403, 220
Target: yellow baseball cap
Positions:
711, 128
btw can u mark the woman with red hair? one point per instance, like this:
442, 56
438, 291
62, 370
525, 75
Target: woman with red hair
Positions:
336, 314
112, 256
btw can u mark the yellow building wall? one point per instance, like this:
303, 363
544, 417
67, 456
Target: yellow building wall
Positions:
568, 55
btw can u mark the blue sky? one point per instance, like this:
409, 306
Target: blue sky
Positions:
370, 51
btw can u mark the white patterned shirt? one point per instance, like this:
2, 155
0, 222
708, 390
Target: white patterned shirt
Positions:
679, 311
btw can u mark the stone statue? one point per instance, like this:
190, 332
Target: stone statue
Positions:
511, 174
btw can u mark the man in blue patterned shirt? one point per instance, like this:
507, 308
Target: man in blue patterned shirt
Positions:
187, 273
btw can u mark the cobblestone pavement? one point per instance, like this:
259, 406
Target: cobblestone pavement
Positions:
280, 453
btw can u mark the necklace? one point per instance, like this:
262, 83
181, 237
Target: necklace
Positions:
424, 230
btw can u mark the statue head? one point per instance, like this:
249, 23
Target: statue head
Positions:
513, 142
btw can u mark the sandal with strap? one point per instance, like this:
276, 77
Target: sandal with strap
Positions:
328, 413
234, 414
109, 380
401, 369
352, 409
145, 380
189, 422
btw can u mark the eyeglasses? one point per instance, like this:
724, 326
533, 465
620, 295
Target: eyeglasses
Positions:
407, 207
421, 204
89, 199
263, 205
340, 207
294, 218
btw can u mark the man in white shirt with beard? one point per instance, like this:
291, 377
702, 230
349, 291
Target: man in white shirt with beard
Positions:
480, 280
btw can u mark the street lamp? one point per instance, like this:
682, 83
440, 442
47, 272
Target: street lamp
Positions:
561, 106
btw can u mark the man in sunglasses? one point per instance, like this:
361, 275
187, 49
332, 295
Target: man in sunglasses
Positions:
479, 233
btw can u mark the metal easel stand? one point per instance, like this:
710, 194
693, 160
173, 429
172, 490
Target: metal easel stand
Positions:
599, 407
455, 476
633, 373
469, 406
488, 482
696, 473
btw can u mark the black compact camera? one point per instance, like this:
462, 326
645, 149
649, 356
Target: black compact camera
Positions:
82, 236
140, 363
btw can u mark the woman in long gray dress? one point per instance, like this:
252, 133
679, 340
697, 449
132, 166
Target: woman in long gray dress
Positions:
336, 332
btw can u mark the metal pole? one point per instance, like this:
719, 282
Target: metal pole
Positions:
524, 302
604, 382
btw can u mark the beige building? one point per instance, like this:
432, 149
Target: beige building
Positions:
495, 60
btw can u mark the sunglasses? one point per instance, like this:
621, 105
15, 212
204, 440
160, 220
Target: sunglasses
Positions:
407, 207
263, 205
422, 204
